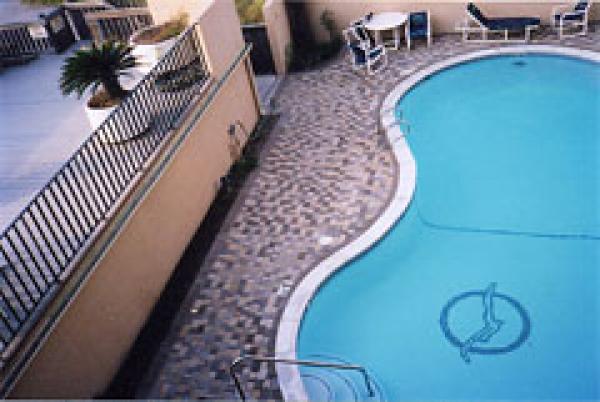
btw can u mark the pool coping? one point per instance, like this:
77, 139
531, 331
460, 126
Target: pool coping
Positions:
288, 376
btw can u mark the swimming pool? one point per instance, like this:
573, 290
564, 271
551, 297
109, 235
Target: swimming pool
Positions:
487, 288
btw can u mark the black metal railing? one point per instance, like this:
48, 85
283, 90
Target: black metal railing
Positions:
16, 40
39, 248
123, 28
128, 3
77, 13
117, 25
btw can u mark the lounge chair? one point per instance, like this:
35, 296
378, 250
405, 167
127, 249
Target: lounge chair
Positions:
573, 18
361, 31
503, 26
363, 53
418, 26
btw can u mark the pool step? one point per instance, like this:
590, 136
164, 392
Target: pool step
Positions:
327, 384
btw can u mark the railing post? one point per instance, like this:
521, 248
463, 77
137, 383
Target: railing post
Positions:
309, 363
367, 382
236, 380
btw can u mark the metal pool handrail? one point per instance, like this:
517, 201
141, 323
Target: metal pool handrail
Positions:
310, 363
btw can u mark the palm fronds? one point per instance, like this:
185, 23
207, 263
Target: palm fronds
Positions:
99, 65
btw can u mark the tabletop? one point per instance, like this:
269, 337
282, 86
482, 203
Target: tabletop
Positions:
384, 21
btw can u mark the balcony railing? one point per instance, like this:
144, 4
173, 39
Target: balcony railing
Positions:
128, 3
16, 40
39, 249
117, 24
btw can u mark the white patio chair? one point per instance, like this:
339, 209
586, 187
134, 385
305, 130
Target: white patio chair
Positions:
363, 54
571, 20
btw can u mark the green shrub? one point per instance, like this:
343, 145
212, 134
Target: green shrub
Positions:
167, 30
42, 2
250, 11
97, 66
306, 55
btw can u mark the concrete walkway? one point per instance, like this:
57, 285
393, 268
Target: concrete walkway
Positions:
13, 11
39, 130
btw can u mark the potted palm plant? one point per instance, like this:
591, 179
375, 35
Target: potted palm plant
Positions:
98, 69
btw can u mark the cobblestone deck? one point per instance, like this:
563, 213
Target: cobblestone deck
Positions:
326, 171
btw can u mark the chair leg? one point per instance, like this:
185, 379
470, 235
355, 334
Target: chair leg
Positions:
571, 30
560, 29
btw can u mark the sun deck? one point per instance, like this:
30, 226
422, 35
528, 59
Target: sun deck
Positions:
41, 130
324, 177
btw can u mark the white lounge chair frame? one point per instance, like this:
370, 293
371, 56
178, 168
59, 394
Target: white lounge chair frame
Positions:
472, 25
370, 63
563, 25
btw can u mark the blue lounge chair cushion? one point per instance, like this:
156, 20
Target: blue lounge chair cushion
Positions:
512, 24
581, 6
418, 33
476, 12
418, 25
360, 57
362, 33
569, 17
374, 53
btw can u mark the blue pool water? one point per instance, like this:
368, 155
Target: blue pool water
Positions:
489, 286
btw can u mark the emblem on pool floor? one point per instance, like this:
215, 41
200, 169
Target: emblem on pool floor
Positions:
502, 327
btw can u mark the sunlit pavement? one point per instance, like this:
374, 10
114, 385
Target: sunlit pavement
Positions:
325, 175
39, 130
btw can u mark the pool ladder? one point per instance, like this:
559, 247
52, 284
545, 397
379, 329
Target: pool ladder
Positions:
309, 363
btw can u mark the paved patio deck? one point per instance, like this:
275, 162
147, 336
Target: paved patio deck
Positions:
326, 172
13, 11
40, 129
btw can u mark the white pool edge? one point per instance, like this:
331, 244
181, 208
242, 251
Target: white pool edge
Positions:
288, 376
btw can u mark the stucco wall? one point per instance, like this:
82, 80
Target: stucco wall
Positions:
92, 338
278, 30
445, 15
164, 10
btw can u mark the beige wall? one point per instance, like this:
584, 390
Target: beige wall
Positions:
92, 338
278, 30
164, 10
445, 15
221, 40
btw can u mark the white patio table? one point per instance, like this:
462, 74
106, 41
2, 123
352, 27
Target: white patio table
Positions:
385, 22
